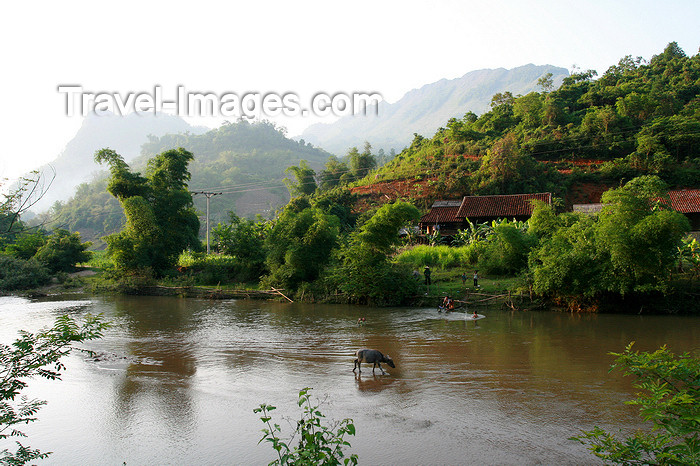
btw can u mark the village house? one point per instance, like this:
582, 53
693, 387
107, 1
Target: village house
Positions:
448, 216
685, 201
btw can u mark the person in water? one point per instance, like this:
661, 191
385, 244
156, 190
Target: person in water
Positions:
475, 315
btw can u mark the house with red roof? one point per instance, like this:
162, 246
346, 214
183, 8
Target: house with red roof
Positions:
452, 215
685, 201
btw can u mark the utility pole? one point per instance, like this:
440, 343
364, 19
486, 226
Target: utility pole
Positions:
208, 195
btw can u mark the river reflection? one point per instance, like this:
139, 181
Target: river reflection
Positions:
176, 380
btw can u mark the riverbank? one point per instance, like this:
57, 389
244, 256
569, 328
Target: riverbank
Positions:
510, 293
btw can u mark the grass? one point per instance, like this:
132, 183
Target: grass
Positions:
449, 282
438, 256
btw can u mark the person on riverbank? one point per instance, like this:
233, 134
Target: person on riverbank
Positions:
464, 278
426, 273
476, 279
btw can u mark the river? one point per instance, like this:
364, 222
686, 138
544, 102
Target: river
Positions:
176, 380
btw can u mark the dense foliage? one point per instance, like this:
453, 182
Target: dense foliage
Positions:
62, 251
28, 256
638, 118
365, 273
161, 221
630, 247
299, 244
18, 274
669, 398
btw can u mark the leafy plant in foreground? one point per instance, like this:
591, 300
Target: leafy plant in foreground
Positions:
317, 444
35, 355
670, 399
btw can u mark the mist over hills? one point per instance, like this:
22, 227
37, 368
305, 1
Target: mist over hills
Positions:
125, 134
426, 109
242, 162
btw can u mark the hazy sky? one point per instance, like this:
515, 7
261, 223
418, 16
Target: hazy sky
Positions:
302, 47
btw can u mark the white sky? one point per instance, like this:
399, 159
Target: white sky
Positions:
388, 47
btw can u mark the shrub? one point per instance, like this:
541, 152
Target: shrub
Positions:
440, 256
669, 399
507, 251
318, 443
18, 274
215, 268
62, 251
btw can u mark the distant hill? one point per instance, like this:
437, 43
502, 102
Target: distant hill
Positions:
424, 110
243, 161
576, 141
125, 134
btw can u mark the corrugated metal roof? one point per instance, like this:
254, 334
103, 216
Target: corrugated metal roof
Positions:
587, 208
686, 201
511, 205
453, 203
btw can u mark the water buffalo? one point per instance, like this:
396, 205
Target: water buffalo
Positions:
371, 356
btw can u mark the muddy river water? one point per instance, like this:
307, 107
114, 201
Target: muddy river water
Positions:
176, 380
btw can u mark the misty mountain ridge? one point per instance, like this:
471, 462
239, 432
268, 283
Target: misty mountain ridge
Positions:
427, 108
124, 134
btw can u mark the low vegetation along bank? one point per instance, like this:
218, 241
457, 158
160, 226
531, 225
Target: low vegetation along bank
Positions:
635, 129
633, 256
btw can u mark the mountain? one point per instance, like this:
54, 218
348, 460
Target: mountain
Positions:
125, 134
424, 110
242, 162
576, 141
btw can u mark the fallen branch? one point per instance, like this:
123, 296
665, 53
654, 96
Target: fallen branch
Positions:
282, 294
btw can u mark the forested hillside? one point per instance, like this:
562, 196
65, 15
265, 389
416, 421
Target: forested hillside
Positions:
637, 118
243, 161
590, 134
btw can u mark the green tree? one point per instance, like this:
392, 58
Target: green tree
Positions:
361, 163
567, 262
299, 245
304, 182
529, 109
630, 247
244, 239
507, 250
21, 197
34, 355
669, 398
505, 170
639, 236
26, 244
381, 232
21, 274
545, 82
62, 250
332, 173
160, 219
365, 273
